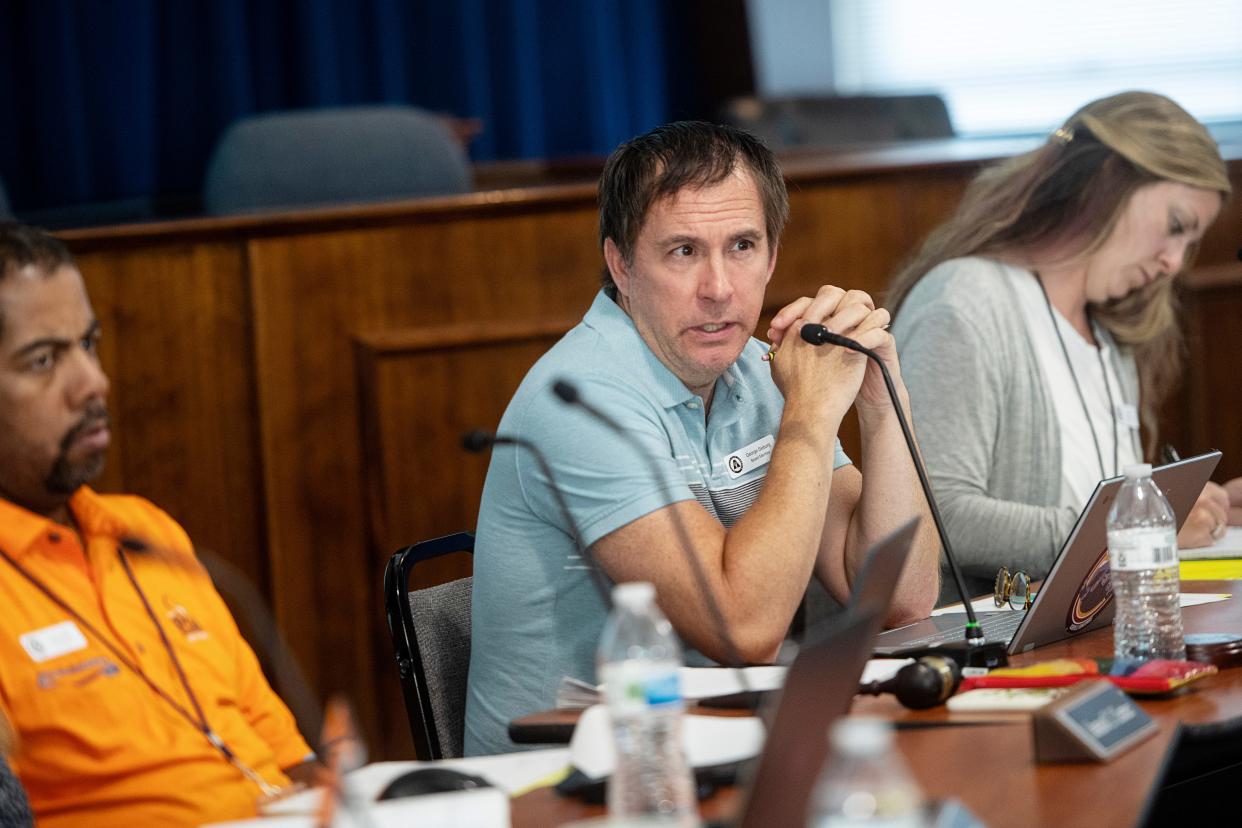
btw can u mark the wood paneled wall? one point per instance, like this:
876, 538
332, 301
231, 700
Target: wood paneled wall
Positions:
292, 388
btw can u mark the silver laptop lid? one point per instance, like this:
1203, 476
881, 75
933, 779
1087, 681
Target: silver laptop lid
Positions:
819, 688
1077, 595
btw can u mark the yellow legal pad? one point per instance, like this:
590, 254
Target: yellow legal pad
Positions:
1225, 569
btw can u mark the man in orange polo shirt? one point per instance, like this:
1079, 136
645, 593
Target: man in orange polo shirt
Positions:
133, 697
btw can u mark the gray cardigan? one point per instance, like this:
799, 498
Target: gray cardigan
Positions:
985, 423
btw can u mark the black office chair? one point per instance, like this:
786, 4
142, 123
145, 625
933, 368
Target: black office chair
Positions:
431, 640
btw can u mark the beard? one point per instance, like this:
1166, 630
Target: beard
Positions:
67, 476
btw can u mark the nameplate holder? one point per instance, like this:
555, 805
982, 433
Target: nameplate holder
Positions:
1094, 722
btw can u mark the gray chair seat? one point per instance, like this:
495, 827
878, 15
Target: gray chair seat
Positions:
431, 643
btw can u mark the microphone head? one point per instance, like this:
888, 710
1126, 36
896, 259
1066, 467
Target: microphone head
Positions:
814, 333
566, 390
819, 335
477, 440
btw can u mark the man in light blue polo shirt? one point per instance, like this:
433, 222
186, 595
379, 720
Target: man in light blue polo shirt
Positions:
741, 451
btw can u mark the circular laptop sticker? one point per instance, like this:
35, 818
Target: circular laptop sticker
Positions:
1093, 596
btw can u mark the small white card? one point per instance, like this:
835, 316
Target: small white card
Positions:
53, 642
751, 457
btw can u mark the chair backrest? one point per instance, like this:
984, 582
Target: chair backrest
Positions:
431, 642
835, 120
333, 156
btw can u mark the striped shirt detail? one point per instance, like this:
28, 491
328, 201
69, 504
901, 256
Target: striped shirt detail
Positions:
728, 505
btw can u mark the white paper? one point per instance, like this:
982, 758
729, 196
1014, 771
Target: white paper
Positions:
480, 808
1194, 599
979, 605
882, 669
999, 699
1229, 546
708, 740
1188, 599
705, 682
512, 773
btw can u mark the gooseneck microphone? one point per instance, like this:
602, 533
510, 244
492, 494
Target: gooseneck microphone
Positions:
480, 440
976, 650
568, 393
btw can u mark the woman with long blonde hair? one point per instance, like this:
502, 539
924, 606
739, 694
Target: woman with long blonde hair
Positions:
1038, 328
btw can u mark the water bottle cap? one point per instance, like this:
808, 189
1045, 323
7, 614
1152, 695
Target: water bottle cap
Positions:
1136, 471
862, 735
633, 594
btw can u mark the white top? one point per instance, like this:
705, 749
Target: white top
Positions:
1080, 464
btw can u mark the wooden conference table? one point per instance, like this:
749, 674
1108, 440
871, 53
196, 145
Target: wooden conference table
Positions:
989, 765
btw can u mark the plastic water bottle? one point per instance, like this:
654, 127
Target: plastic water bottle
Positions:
865, 782
1142, 553
639, 662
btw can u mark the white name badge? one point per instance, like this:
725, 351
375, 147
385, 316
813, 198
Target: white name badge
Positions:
1127, 415
54, 641
751, 457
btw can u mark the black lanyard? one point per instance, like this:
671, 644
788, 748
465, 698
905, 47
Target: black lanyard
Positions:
198, 719
1108, 390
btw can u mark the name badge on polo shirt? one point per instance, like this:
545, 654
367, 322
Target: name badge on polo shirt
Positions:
751, 457
53, 642
1127, 415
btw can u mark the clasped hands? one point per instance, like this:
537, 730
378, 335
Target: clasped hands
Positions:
834, 372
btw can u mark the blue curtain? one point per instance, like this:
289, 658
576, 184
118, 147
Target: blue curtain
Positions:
113, 99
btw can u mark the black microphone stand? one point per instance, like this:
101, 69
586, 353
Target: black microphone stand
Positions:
480, 440
568, 393
975, 650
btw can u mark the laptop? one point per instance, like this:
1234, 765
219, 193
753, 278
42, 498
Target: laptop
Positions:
1077, 595
819, 688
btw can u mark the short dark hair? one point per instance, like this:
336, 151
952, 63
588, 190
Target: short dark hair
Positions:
670, 158
22, 245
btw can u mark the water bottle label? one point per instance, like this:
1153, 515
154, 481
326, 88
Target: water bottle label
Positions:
663, 689
1138, 549
635, 685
